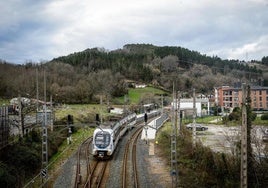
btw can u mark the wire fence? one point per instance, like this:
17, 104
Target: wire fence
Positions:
4, 126
161, 120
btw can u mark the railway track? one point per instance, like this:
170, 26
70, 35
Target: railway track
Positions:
131, 149
82, 165
95, 173
89, 174
98, 174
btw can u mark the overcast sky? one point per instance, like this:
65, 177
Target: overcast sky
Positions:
40, 30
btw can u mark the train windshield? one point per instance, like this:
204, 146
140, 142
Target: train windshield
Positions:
102, 139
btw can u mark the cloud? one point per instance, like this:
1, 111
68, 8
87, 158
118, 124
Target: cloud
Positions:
249, 51
42, 30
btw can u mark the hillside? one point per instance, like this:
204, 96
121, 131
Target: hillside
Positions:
264, 69
83, 77
164, 65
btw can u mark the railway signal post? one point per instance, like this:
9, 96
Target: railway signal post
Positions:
146, 127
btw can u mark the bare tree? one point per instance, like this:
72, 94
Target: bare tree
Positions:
170, 63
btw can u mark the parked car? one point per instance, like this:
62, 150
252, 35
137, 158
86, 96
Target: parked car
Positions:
265, 136
198, 127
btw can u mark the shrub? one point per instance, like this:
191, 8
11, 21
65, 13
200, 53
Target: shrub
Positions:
264, 116
235, 115
6, 177
199, 166
253, 116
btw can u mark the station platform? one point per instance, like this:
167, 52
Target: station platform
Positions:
149, 131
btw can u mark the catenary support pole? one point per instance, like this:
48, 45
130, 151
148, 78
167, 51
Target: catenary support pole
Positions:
243, 170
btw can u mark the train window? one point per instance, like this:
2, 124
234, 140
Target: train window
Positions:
102, 139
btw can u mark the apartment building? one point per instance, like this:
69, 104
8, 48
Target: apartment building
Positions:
231, 97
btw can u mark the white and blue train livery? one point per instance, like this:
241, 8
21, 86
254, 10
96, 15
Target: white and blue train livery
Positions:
106, 137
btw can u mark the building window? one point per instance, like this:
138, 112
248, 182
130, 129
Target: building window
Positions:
260, 92
260, 98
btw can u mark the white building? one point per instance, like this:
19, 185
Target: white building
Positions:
186, 105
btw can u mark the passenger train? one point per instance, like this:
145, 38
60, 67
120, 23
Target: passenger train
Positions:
106, 137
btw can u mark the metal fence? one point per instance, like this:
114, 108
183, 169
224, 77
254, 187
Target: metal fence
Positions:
161, 120
4, 126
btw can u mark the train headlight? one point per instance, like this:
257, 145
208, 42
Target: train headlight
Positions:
109, 152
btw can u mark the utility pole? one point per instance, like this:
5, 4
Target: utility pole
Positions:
244, 170
194, 116
174, 134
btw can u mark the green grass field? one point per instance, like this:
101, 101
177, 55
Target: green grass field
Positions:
135, 95
81, 112
4, 102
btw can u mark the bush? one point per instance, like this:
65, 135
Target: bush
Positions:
6, 177
253, 116
199, 166
22, 160
235, 115
264, 116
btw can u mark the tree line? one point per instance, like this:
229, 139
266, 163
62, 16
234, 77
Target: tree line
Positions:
83, 76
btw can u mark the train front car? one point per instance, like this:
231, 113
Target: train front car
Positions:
102, 144
106, 138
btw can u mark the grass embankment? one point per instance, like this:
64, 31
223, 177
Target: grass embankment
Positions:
259, 121
4, 102
66, 150
138, 94
217, 120
82, 113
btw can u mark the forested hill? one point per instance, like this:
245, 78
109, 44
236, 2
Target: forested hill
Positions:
99, 58
83, 77
149, 63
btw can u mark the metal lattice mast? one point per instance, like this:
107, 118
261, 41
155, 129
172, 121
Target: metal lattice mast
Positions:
243, 170
20, 117
174, 166
178, 115
194, 116
51, 114
44, 171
